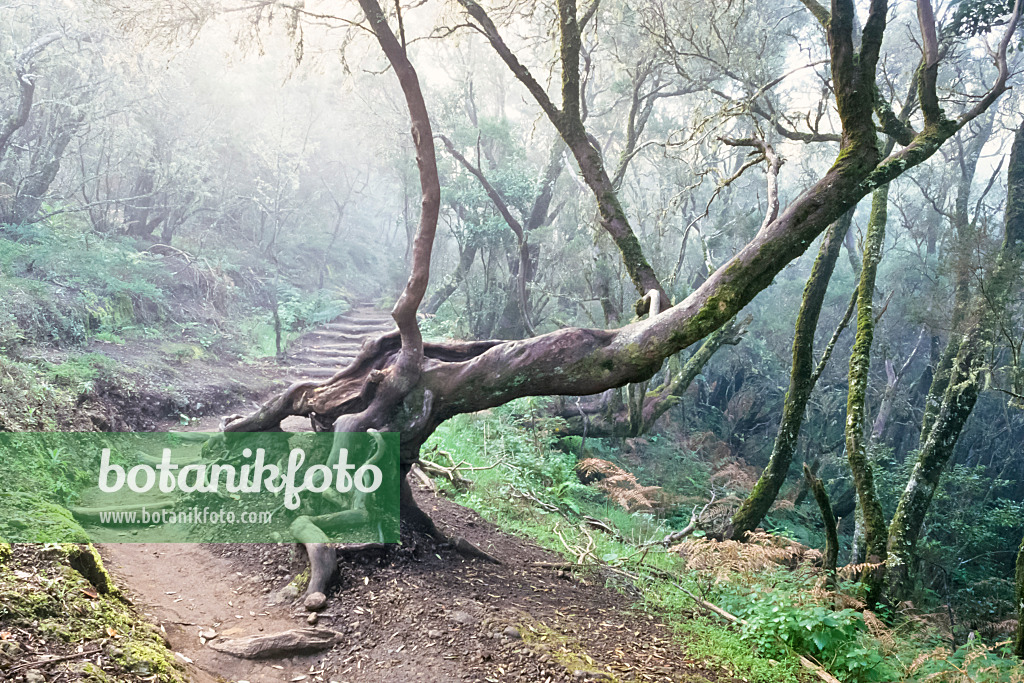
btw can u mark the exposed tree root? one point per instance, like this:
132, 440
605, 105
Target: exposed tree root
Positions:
420, 521
323, 561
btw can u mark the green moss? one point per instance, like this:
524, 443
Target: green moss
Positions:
5, 551
93, 674
301, 580
86, 561
149, 656
562, 649
28, 518
57, 603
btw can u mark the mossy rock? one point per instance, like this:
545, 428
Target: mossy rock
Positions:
28, 518
93, 674
58, 603
5, 550
86, 561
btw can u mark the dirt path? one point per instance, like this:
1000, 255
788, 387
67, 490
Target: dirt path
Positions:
322, 352
419, 612
186, 589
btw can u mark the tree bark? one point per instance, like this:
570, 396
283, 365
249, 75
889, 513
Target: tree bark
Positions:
965, 380
801, 383
1018, 645
828, 518
870, 509
617, 423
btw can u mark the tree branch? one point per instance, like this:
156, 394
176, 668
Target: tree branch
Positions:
510, 220
819, 11
523, 74
405, 309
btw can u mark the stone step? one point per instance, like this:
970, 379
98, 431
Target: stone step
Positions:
314, 371
367, 315
321, 361
358, 328
350, 348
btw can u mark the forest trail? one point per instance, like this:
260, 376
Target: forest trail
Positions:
322, 352
419, 612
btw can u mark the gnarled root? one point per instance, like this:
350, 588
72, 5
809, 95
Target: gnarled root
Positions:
323, 562
419, 520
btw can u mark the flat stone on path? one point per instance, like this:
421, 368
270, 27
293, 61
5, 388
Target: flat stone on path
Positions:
284, 644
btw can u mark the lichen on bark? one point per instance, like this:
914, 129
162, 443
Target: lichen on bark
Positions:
801, 384
860, 365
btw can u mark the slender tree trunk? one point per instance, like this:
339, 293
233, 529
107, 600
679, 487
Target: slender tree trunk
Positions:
568, 121
1018, 646
442, 293
817, 487
872, 520
963, 386
26, 90
801, 383
33, 189
964, 240
892, 385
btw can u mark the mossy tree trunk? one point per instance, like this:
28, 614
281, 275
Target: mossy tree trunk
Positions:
964, 243
606, 420
828, 518
801, 383
1018, 644
964, 383
870, 509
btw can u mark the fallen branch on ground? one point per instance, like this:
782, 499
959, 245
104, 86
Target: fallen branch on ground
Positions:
453, 473
695, 516
54, 660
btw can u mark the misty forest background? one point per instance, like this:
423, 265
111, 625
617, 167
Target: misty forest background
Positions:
174, 199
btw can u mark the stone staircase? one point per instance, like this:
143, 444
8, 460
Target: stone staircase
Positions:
320, 353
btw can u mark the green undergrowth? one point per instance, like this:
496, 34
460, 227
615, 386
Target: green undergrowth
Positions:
529, 464
38, 483
526, 485
63, 285
47, 603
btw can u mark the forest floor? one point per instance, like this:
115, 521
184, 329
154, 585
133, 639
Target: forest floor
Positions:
419, 612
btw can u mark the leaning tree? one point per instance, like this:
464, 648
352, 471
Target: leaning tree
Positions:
400, 383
